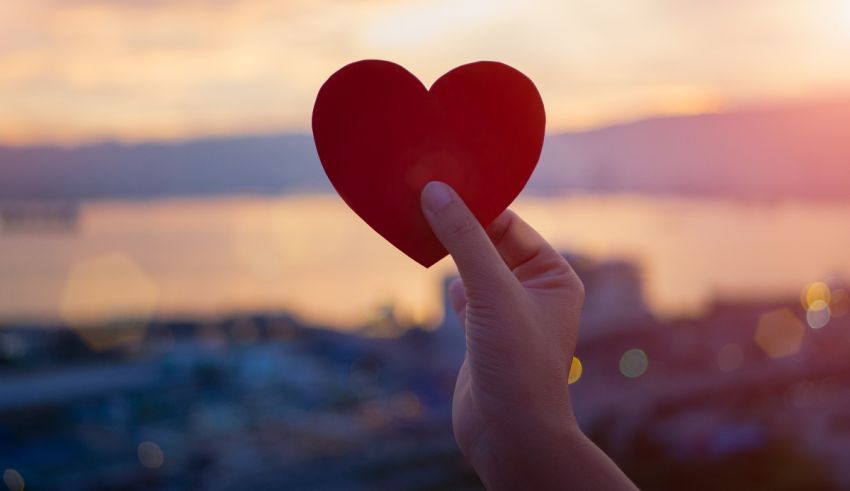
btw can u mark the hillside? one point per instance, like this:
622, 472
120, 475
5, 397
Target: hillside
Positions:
800, 151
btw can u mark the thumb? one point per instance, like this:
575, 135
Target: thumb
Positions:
478, 262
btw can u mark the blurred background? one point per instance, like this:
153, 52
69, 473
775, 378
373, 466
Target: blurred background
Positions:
186, 304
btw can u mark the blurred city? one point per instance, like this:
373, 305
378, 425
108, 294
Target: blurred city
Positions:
186, 303
751, 393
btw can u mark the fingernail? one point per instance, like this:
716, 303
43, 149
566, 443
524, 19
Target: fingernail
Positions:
436, 196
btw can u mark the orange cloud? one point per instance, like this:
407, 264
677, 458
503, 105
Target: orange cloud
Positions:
93, 69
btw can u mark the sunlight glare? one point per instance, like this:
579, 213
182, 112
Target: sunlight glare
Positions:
844, 12
418, 24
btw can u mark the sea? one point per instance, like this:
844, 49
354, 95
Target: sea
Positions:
310, 256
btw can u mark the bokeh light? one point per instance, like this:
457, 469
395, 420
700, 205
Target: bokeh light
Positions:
816, 299
105, 287
779, 333
576, 370
13, 480
150, 455
406, 405
374, 414
818, 314
232, 291
814, 294
730, 357
107, 290
634, 363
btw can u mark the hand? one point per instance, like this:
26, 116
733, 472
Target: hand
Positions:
519, 302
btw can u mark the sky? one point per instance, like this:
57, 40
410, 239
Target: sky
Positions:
79, 71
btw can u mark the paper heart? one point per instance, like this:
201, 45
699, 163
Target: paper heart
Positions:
381, 136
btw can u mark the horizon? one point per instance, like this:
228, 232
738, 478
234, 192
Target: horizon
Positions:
753, 153
838, 97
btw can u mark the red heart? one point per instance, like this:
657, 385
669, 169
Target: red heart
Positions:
381, 136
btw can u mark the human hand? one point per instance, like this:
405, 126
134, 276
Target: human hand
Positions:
519, 302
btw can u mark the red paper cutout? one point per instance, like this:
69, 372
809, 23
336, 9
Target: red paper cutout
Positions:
381, 136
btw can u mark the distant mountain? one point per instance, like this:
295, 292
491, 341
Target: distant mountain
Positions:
794, 151
262, 164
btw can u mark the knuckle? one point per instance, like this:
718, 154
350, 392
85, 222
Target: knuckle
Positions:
569, 278
572, 288
557, 274
571, 282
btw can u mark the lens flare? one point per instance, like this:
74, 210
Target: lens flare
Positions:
576, 370
13, 480
103, 288
150, 455
406, 405
634, 363
815, 292
107, 291
779, 333
818, 314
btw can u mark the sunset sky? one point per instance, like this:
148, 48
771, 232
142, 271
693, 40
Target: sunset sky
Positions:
74, 71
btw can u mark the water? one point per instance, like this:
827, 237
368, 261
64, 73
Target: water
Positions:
309, 254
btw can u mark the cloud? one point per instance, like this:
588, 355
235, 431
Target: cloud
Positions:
90, 69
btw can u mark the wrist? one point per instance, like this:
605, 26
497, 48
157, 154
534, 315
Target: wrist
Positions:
529, 457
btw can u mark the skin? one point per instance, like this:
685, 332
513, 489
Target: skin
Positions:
519, 302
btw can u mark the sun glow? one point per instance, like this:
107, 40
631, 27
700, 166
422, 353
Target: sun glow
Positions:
844, 11
72, 72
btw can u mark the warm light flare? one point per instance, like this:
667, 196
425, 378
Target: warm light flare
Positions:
576, 370
106, 288
779, 333
816, 296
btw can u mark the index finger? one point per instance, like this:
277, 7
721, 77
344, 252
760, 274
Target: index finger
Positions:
522, 248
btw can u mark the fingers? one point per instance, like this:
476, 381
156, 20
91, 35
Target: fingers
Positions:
477, 260
524, 250
457, 296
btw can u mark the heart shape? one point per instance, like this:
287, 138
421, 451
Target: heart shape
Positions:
381, 136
